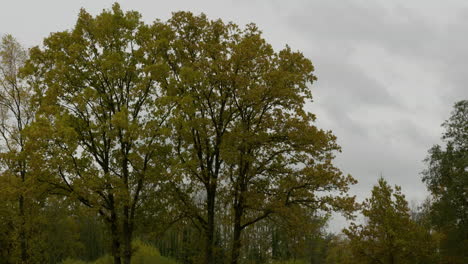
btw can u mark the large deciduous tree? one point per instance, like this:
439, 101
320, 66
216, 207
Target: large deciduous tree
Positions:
242, 134
278, 161
116, 93
202, 78
446, 178
100, 131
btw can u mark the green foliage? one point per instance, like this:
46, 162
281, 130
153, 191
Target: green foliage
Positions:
290, 262
389, 235
103, 260
446, 177
198, 114
144, 254
100, 135
71, 261
22, 202
193, 134
340, 252
242, 136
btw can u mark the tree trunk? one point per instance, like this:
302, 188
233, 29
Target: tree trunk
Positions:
127, 237
22, 234
236, 242
391, 258
115, 238
126, 228
238, 213
209, 239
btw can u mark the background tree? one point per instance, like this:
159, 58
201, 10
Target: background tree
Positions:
8, 209
446, 178
16, 113
389, 235
101, 127
339, 251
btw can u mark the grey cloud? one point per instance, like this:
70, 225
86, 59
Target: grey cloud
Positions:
349, 85
351, 23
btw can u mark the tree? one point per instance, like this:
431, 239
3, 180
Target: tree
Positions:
243, 139
197, 57
446, 177
339, 251
277, 160
199, 107
16, 113
100, 131
389, 235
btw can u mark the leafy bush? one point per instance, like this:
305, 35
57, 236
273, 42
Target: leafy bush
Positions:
289, 262
103, 260
72, 261
147, 254
144, 254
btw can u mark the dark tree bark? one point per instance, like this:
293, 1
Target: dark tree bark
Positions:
210, 227
115, 248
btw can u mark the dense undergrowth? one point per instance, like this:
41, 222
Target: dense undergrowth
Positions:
144, 254
148, 254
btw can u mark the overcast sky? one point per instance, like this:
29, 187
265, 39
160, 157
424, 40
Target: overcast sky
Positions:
388, 71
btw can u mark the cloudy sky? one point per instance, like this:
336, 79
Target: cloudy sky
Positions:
388, 71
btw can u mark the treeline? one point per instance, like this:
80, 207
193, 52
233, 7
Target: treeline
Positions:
192, 135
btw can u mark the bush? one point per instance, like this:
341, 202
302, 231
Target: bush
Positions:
289, 262
72, 261
144, 254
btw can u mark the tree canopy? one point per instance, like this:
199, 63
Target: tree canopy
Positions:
189, 141
194, 109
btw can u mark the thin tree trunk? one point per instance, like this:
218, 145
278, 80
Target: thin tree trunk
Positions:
236, 242
115, 238
22, 234
241, 189
127, 237
126, 228
209, 239
392, 258
23, 242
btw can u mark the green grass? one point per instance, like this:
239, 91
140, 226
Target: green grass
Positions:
144, 254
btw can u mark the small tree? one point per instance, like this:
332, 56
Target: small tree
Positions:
389, 235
